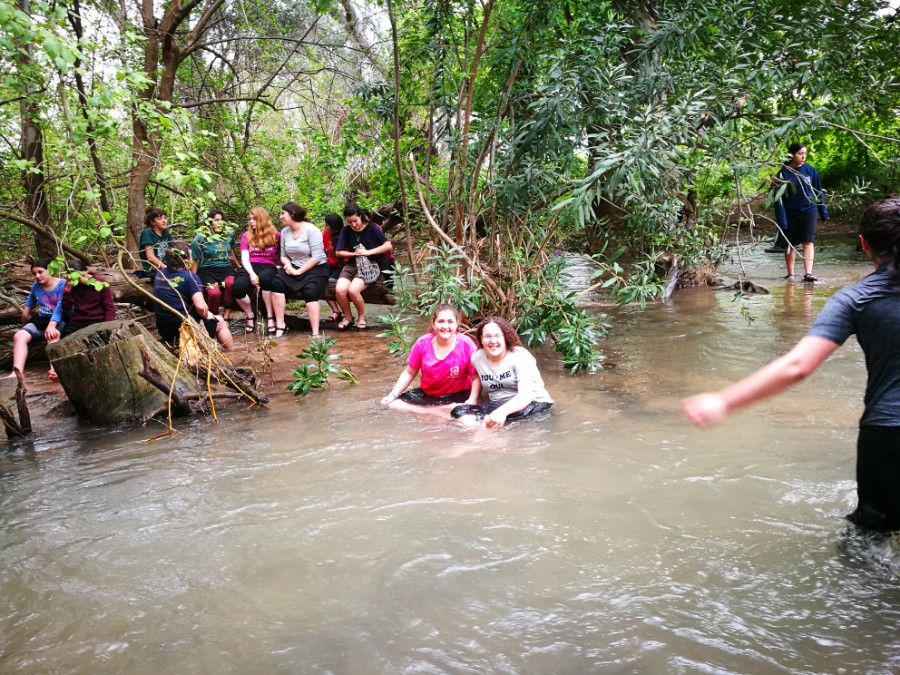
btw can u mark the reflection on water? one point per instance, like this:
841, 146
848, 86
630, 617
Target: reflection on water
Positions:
331, 535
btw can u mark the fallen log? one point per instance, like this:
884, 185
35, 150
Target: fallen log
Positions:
17, 428
99, 369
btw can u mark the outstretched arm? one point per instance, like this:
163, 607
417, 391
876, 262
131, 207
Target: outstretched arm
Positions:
406, 377
709, 408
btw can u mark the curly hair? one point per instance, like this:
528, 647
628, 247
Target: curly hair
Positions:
509, 333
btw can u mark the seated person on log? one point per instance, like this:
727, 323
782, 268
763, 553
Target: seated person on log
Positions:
260, 252
91, 298
214, 263
47, 296
510, 375
155, 238
305, 270
361, 246
387, 263
333, 226
179, 288
444, 359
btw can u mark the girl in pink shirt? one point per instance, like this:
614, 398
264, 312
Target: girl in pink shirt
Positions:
444, 359
260, 253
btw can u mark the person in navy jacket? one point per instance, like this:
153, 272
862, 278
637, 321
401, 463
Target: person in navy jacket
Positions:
800, 207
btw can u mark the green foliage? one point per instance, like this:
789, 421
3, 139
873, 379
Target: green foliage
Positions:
450, 280
641, 284
399, 334
545, 313
315, 375
746, 314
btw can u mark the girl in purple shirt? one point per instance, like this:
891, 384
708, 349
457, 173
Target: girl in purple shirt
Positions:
47, 297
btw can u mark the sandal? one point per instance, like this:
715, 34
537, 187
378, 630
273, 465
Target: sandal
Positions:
281, 331
334, 316
345, 324
789, 276
270, 326
810, 278
251, 324
361, 323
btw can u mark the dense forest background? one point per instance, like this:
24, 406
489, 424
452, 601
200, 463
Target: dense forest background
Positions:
501, 131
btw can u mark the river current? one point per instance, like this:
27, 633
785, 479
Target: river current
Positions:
329, 535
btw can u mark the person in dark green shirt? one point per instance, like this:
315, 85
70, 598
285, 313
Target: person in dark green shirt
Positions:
154, 241
214, 263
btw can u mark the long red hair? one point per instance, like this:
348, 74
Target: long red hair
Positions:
264, 234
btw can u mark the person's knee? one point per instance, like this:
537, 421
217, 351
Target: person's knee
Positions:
223, 336
214, 293
311, 296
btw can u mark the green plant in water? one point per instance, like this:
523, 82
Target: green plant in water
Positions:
746, 315
404, 289
315, 375
545, 312
400, 335
639, 285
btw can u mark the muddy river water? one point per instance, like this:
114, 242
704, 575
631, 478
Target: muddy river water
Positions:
328, 535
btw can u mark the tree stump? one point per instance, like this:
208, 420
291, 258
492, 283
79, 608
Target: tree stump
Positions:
99, 368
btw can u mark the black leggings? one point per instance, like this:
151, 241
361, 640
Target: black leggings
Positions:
242, 283
482, 410
877, 477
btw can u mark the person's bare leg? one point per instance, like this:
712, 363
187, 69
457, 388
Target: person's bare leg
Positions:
224, 337
789, 257
809, 253
279, 302
267, 301
20, 351
247, 308
357, 286
341, 290
314, 312
441, 411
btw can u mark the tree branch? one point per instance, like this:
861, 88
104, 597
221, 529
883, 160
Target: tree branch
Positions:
47, 234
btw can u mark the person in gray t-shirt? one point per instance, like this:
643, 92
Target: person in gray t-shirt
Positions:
509, 375
869, 309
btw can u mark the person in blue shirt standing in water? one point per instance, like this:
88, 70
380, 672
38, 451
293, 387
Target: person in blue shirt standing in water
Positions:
799, 208
869, 309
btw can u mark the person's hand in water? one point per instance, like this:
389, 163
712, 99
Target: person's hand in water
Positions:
705, 410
